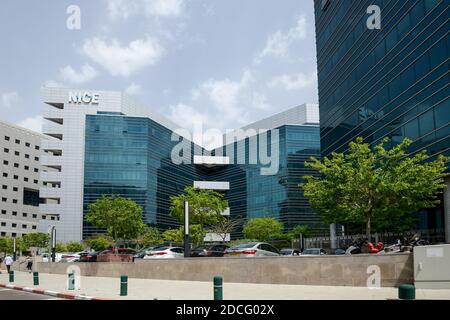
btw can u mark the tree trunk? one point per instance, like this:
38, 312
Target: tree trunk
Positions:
368, 229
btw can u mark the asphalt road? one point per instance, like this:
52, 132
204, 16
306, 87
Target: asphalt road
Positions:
10, 294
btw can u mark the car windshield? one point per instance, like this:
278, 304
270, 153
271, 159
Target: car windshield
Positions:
245, 245
286, 251
312, 251
160, 248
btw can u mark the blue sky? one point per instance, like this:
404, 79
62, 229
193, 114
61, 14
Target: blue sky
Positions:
223, 62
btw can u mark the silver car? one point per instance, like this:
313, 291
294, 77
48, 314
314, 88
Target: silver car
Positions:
314, 252
252, 249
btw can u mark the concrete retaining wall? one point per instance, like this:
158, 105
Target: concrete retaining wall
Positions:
321, 270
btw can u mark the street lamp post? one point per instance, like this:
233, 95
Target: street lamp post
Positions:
187, 248
14, 249
53, 244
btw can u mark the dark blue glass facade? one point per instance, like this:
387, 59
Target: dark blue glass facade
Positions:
390, 82
130, 157
253, 195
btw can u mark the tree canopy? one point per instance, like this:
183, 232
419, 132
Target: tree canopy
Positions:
100, 243
380, 186
38, 239
205, 206
263, 229
196, 234
121, 217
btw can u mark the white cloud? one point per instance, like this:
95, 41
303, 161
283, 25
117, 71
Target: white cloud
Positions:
121, 60
293, 82
133, 89
278, 43
32, 123
124, 9
86, 74
221, 104
9, 99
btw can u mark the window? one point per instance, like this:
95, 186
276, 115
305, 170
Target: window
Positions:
13, 234
27, 144
14, 225
17, 141
16, 177
26, 167
34, 216
36, 147
35, 181
36, 170
44, 217
15, 201
3, 211
17, 153
7, 138
5, 162
16, 165
6, 150
27, 156
3, 224
5, 187
31, 197
4, 199
24, 226
5, 175
15, 189
36, 158
33, 227
14, 213
25, 179
24, 215
3, 234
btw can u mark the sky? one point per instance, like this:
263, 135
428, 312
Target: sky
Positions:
223, 63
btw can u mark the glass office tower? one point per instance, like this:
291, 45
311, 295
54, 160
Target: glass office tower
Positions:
388, 82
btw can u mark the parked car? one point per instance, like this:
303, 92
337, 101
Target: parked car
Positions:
314, 252
71, 257
119, 251
209, 250
88, 257
141, 254
165, 252
340, 251
47, 257
290, 252
252, 249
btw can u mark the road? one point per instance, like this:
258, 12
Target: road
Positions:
10, 294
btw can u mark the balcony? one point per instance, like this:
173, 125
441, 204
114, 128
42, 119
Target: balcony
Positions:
54, 115
50, 193
53, 130
49, 209
52, 145
52, 161
51, 177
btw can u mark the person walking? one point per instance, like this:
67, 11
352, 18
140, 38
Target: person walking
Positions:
8, 262
29, 262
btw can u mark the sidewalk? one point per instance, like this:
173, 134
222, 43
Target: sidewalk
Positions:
148, 289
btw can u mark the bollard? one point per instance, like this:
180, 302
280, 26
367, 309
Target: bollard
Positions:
123, 285
71, 281
218, 288
36, 278
11, 276
406, 292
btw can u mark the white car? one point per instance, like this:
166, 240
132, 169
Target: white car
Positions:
252, 249
70, 257
165, 253
47, 257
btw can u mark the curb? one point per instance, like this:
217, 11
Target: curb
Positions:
62, 295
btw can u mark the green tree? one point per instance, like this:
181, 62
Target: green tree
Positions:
38, 239
263, 229
150, 237
196, 234
61, 247
121, 217
205, 206
298, 230
379, 186
100, 243
5, 245
74, 246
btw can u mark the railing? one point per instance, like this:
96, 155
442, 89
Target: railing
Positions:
433, 236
